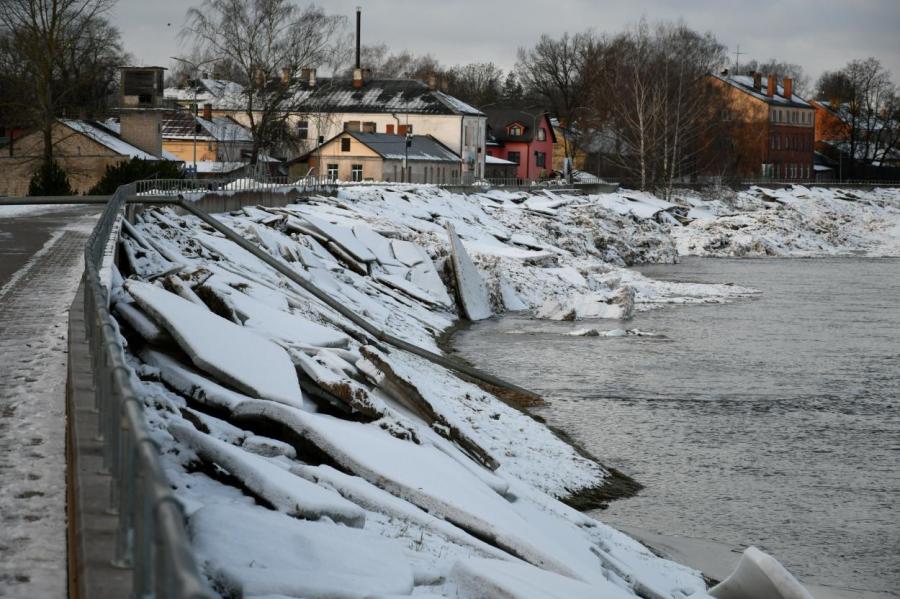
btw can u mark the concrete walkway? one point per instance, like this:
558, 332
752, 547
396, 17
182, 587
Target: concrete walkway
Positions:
41, 258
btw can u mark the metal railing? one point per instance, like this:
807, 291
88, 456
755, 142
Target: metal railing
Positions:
150, 537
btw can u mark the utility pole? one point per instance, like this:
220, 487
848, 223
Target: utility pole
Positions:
737, 60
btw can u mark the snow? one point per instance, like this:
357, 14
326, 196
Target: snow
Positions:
456, 490
251, 363
295, 558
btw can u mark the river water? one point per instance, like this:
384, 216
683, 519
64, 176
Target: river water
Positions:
771, 421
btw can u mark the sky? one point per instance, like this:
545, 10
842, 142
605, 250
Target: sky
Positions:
819, 35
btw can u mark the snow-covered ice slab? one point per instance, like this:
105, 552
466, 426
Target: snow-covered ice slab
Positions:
478, 578
759, 575
473, 293
250, 363
192, 384
287, 492
251, 551
343, 237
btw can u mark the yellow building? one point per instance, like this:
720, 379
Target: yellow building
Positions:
83, 149
358, 156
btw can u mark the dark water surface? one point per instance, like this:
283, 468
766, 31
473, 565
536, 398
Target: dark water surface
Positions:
772, 421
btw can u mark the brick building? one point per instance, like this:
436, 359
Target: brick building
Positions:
772, 131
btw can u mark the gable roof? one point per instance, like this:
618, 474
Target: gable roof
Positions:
500, 118
107, 138
745, 84
423, 148
331, 94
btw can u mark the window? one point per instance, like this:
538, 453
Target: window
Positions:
540, 159
332, 172
356, 172
542, 135
514, 130
351, 126
514, 157
345, 144
773, 116
303, 129
369, 127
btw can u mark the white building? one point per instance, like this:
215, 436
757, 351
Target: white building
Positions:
327, 106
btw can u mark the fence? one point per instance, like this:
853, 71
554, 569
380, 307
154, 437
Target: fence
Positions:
150, 537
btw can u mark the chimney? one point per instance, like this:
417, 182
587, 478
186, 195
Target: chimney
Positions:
259, 77
358, 32
757, 81
285, 75
771, 86
183, 80
432, 82
788, 87
207, 112
357, 78
724, 72
309, 75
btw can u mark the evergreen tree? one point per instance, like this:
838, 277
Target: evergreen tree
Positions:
133, 170
49, 180
512, 91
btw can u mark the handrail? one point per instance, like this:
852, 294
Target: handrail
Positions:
150, 537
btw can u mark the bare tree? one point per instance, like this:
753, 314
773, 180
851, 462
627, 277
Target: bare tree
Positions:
654, 103
865, 100
59, 55
268, 42
476, 83
557, 73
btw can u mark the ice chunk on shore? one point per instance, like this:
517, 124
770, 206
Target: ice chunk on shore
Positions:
287, 492
473, 293
475, 578
233, 354
251, 551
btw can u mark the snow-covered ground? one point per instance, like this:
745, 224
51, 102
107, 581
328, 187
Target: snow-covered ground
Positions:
314, 461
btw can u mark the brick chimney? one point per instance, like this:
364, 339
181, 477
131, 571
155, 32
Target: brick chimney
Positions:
309, 75
757, 81
207, 112
788, 87
432, 82
771, 87
285, 75
357, 78
259, 77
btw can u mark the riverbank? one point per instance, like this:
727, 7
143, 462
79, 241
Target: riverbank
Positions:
275, 411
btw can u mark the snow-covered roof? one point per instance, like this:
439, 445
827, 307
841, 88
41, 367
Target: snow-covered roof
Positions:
336, 95
181, 125
745, 84
213, 166
107, 138
422, 148
494, 160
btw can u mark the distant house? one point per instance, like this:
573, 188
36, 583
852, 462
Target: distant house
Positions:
327, 106
570, 143
875, 149
773, 133
523, 136
84, 149
499, 168
359, 156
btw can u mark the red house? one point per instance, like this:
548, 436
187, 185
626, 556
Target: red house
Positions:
524, 136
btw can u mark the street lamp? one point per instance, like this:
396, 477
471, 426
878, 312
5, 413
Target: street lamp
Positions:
196, 67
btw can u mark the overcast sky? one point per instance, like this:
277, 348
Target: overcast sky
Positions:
817, 34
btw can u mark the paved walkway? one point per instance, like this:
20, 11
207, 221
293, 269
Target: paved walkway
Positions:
46, 252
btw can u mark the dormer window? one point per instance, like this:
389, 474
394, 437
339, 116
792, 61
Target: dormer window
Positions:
515, 130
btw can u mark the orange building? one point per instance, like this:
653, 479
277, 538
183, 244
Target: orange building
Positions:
773, 129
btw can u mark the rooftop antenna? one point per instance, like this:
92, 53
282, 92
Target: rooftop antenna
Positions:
358, 22
737, 60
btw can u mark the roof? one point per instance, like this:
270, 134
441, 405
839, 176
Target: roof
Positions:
422, 148
180, 125
488, 159
745, 84
499, 118
108, 138
393, 147
337, 95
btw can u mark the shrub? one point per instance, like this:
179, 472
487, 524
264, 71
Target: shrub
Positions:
133, 170
49, 180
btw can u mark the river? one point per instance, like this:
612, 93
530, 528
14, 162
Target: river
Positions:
771, 421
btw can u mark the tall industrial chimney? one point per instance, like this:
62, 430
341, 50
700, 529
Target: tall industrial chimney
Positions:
358, 26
